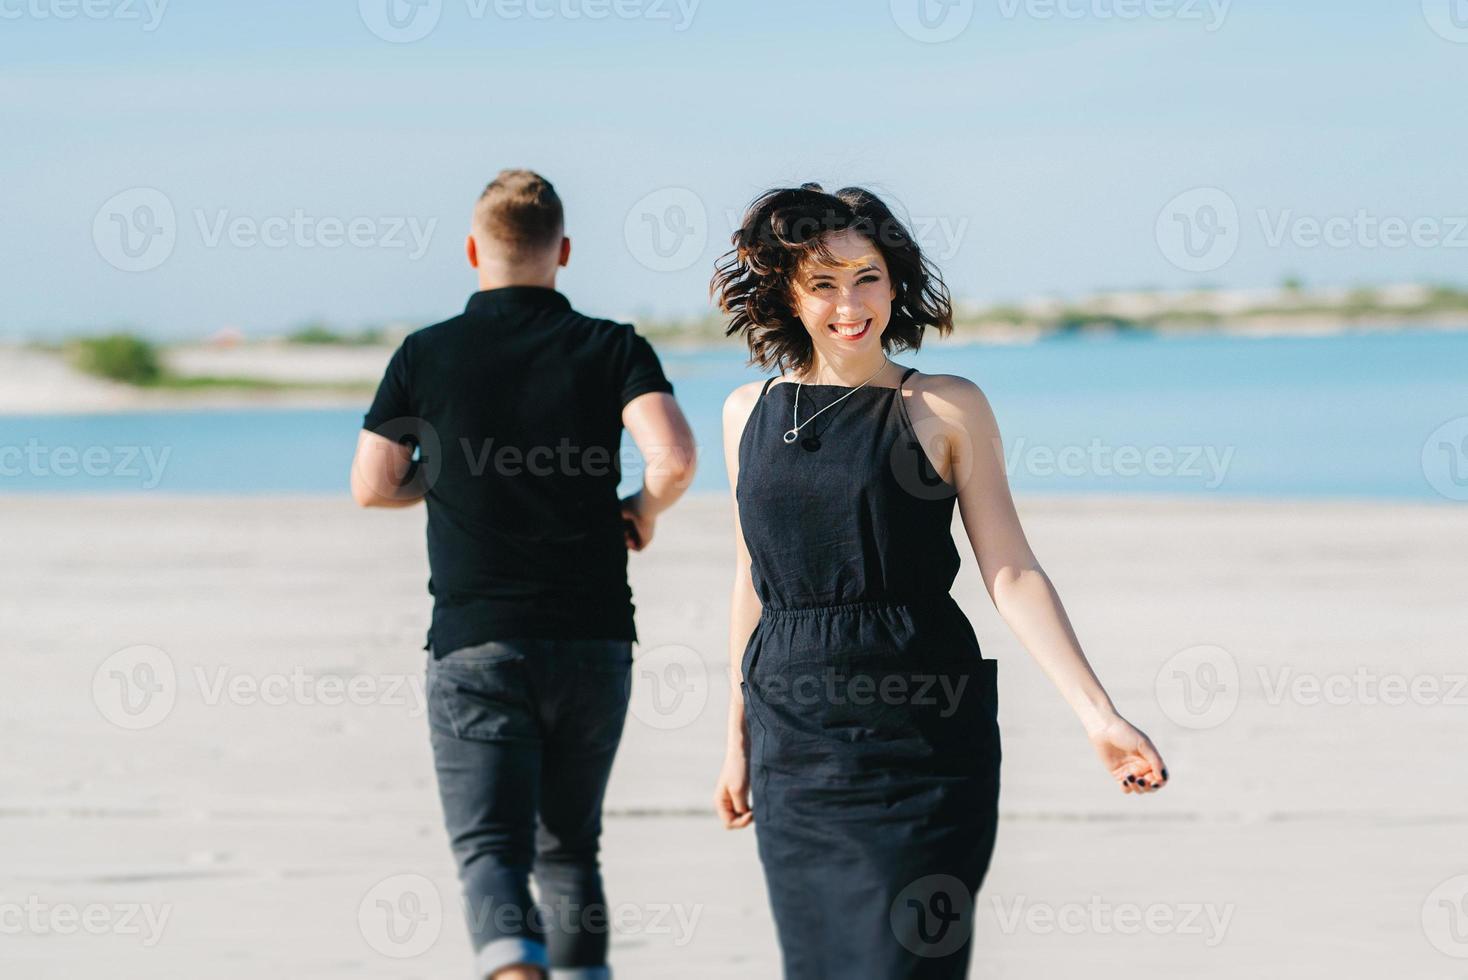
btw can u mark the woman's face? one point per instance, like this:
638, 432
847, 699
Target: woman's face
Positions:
845, 306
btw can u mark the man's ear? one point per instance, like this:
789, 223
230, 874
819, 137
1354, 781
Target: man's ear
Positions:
565, 258
471, 249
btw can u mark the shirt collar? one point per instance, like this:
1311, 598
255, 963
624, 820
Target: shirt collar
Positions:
515, 298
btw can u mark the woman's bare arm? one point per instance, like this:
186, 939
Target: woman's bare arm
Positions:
731, 797
962, 437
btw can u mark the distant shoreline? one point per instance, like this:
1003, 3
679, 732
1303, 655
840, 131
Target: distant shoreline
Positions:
283, 375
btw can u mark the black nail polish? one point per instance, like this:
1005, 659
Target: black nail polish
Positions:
1164, 774
1131, 779
1141, 782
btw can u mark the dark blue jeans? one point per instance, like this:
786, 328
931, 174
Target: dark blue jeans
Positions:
524, 733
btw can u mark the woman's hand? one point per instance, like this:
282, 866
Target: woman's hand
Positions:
1129, 756
731, 796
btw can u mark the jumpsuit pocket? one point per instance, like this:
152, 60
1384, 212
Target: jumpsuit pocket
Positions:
981, 721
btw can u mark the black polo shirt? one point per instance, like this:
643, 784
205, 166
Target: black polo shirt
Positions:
516, 407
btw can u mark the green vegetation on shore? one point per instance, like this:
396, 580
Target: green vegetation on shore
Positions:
1221, 309
119, 357
320, 333
133, 360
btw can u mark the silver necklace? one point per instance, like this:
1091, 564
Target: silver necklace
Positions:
796, 425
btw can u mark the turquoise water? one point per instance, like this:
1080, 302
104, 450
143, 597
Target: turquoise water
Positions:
1345, 416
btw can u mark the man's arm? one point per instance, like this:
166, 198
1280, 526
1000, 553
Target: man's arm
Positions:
380, 473
662, 435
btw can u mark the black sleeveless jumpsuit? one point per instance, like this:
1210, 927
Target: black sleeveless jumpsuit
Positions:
874, 744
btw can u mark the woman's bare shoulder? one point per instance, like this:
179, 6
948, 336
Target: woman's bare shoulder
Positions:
743, 397
740, 403
949, 393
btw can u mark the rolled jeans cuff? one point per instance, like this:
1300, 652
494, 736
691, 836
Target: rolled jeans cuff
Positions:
509, 951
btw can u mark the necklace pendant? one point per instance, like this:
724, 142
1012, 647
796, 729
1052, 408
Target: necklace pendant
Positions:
810, 443
791, 436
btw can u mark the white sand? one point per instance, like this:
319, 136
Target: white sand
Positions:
299, 363
38, 382
1320, 831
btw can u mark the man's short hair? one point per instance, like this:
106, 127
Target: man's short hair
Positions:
521, 212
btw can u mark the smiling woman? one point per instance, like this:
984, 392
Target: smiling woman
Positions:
875, 815
808, 242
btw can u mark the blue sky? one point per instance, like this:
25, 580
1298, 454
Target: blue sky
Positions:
1036, 148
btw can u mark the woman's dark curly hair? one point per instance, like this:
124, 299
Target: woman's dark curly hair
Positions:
788, 226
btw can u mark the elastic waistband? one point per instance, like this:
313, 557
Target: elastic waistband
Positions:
858, 606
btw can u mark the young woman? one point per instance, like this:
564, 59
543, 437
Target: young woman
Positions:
864, 721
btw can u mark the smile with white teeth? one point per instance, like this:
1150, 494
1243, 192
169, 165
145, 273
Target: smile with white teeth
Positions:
851, 331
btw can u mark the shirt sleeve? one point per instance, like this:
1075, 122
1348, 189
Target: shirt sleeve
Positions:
642, 371
394, 396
